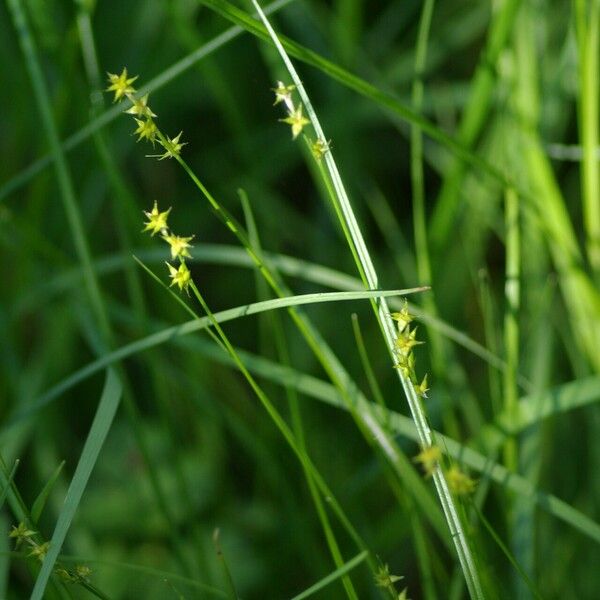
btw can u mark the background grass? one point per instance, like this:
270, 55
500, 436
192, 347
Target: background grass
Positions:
467, 138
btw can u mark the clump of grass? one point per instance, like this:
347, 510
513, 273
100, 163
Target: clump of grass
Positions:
265, 416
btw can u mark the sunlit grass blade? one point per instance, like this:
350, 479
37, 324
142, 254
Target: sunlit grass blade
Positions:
587, 19
196, 325
222, 254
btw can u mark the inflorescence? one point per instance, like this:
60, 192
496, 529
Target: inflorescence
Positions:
147, 129
296, 120
122, 86
24, 536
430, 457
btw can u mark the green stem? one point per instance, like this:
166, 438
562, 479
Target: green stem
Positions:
588, 26
365, 265
511, 324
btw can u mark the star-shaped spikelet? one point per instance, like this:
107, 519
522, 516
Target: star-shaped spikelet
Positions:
296, 120
181, 276
157, 221
120, 84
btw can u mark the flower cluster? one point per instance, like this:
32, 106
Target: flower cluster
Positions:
157, 223
38, 550
296, 120
122, 86
458, 481
406, 340
429, 457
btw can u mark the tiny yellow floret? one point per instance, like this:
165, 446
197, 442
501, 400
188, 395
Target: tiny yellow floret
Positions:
406, 363
120, 84
39, 551
179, 245
403, 317
458, 482
296, 120
140, 108
172, 146
157, 221
181, 276
384, 579
146, 128
422, 388
406, 340
319, 148
20, 534
283, 93
429, 458
82, 572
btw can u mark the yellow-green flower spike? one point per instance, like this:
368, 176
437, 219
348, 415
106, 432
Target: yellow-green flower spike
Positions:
140, 108
429, 458
181, 276
319, 148
296, 120
179, 245
458, 482
120, 84
283, 93
172, 146
146, 128
422, 388
157, 221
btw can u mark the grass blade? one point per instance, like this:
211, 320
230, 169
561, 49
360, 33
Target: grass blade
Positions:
366, 268
340, 572
40, 502
107, 407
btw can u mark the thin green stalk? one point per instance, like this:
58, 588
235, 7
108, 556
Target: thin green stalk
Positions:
388, 327
285, 431
296, 416
588, 33
511, 322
